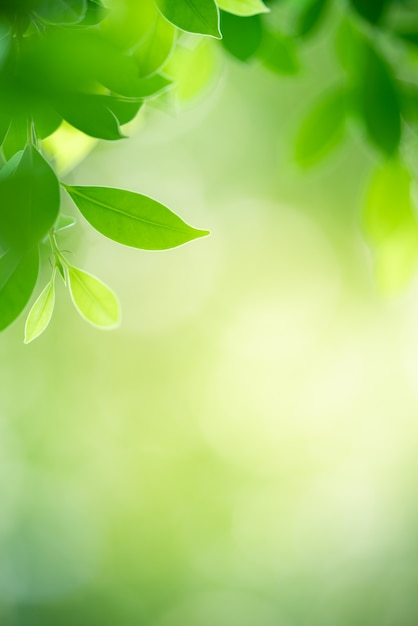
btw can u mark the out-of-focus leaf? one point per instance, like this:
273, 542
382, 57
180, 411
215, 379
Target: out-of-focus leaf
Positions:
16, 137
193, 16
322, 129
64, 221
18, 275
391, 226
95, 13
310, 17
90, 114
244, 8
62, 11
41, 313
30, 200
192, 71
371, 10
94, 300
278, 53
242, 37
132, 219
155, 49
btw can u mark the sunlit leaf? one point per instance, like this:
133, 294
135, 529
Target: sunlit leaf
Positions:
391, 227
41, 313
193, 16
29, 199
243, 8
242, 37
18, 275
131, 218
94, 300
193, 70
322, 129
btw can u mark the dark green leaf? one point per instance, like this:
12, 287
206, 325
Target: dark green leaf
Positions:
18, 275
30, 199
132, 219
241, 36
322, 129
193, 16
310, 17
371, 10
90, 114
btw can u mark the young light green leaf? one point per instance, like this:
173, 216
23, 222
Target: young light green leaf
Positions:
30, 200
391, 227
193, 16
322, 129
132, 219
63, 222
244, 8
18, 275
41, 312
94, 300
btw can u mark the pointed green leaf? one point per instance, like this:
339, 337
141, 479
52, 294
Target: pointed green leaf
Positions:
322, 129
30, 200
95, 302
243, 8
193, 16
242, 37
41, 313
18, 275
132, 219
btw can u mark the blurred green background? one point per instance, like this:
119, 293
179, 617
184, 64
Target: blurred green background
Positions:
243, 450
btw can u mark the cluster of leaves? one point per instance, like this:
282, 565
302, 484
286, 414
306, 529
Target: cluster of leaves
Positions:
90, 65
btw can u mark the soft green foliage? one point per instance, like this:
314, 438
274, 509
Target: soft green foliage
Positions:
83, 68
132, 219
95, 302
41, 312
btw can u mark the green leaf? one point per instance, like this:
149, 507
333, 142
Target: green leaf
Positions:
95, 13
91, 114
129, 85
41, 313
322, 129
18, 275
244, 8
95, 302
154, 50
378, 100
242, 37
310, 17
193, 16
64, 222
391, 227
371, 10
62, 11
278, 53
131, 218
29, 199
